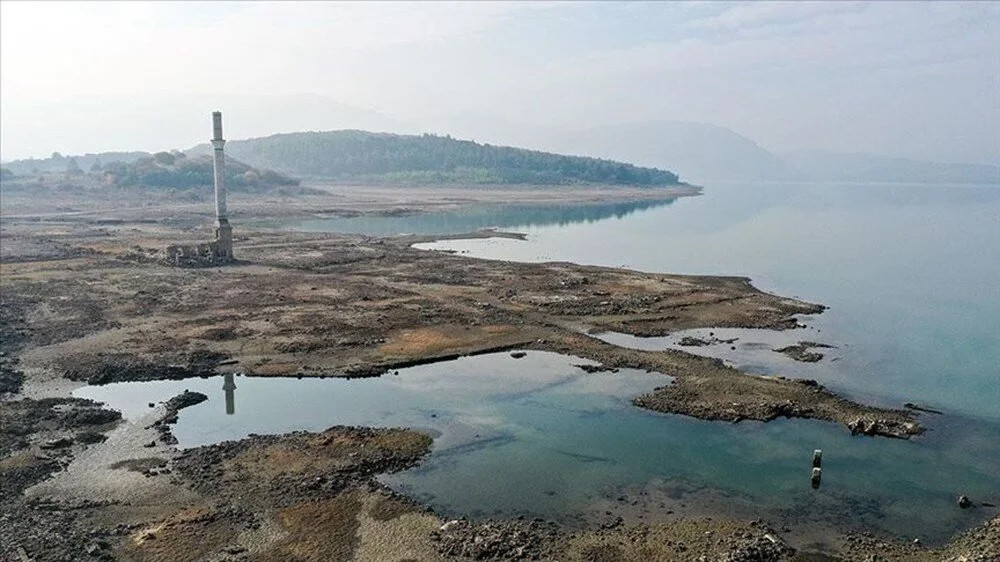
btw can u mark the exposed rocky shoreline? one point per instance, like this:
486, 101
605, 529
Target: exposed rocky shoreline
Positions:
313, 496
802, 351
80, 483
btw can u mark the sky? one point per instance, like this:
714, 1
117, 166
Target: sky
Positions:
917, 80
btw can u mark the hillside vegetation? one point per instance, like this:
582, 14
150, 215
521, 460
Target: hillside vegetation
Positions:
173, 175
176, 170
363, 156
58, 163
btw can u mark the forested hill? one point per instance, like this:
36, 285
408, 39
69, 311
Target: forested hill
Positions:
363, 156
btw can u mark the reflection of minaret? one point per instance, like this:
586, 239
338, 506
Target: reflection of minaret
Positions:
229, 386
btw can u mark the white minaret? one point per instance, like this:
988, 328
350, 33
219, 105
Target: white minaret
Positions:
223, 232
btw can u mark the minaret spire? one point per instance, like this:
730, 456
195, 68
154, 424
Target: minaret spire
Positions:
223, 232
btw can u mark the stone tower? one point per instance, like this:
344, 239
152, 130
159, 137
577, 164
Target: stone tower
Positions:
223, 232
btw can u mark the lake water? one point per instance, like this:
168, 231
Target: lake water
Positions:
911, 274
470, 219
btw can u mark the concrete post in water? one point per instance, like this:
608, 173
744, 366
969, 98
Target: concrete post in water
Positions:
223, 232
817, 474
228, 386
817, 458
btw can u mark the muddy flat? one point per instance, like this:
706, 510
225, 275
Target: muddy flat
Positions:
96, 303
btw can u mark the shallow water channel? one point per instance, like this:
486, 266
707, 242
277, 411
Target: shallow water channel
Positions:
910, 274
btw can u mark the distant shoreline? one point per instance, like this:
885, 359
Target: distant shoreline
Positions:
338, 200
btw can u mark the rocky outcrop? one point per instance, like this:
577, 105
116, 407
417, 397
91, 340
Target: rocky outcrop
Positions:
173, 406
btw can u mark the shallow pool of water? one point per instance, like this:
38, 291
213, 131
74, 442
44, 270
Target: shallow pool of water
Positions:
537, 436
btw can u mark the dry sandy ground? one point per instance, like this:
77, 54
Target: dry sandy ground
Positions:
332, 199
91, 302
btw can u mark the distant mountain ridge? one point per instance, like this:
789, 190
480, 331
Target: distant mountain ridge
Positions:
701, 152
821, 165
383, 157
698, 152
695, 152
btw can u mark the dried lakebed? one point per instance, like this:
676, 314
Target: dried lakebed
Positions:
322, 306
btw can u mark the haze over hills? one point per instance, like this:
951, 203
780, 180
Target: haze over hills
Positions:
701, 152
820, 165
173, 121
697, 153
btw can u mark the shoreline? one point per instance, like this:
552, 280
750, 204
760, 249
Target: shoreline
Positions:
79, 304
338, 201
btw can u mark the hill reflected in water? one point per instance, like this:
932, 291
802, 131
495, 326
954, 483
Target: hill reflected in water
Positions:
472, 218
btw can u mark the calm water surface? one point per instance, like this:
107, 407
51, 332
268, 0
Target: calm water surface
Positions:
911, 275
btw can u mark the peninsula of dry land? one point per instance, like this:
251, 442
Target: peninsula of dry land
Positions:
88, 300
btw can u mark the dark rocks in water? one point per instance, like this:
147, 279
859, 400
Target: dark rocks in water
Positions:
964, 502
517, 354
919, 408
885, 427
174, 405
58, 443
596, 368
690, 341
185, 399
800, 351
817, 344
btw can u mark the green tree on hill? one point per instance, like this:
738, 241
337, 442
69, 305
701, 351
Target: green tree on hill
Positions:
72, 168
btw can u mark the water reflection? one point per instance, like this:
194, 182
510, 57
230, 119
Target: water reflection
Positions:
469, 219
909, 274
554, 440
229, 387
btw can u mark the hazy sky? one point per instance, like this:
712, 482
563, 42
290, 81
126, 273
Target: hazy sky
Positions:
917, 80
